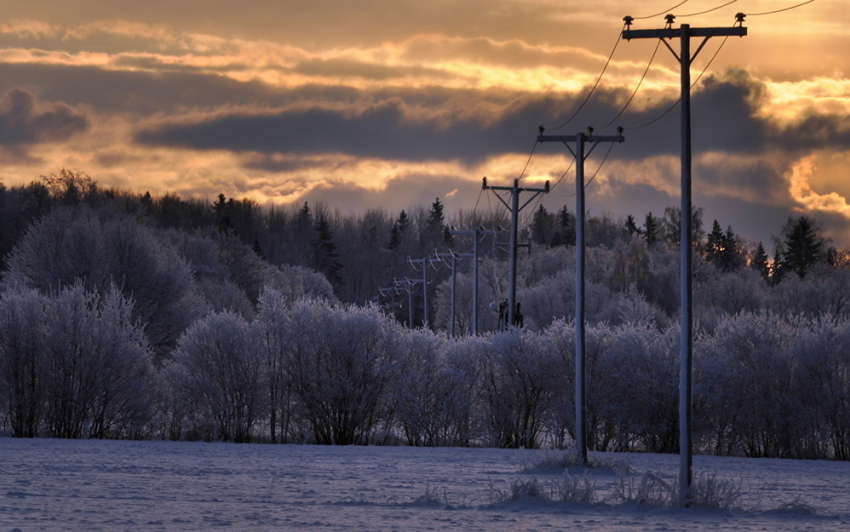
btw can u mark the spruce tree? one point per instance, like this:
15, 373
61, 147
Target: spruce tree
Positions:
759, 262
325, 257
804, 245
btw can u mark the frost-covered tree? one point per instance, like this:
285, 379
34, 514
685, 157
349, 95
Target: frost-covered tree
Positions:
105, 251
22, 359
97, 366
218, 365
339, 359
432, 392
519, 383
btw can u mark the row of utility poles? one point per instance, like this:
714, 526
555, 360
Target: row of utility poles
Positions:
584, 144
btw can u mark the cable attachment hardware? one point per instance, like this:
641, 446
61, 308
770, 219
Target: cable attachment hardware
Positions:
628, 20
739, 19
669, 19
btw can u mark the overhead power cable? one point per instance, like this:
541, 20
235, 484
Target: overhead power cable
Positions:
779, 10
707, 10
607, 153
662, 13
530, 155
659, 117
598, 79
645, 72
563, 176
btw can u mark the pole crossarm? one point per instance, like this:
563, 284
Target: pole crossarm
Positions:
671, 33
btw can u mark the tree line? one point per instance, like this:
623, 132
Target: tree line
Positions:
131, 316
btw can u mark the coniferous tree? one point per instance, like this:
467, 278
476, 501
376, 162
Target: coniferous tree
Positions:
325, 256
631, 228
714, 245
650, 229
565, 228
732, 256
777, 268
804, 245
759, 262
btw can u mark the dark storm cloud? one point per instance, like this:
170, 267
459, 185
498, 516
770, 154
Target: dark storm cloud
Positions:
384, 130
25, 121
472, 125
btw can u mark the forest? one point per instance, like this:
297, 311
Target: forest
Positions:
127, 315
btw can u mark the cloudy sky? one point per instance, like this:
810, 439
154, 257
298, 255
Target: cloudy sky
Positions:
391, 103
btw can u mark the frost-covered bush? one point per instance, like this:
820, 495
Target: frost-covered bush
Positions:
340, 360
432, 392
74, 364
520, 378
217, 367
643, 391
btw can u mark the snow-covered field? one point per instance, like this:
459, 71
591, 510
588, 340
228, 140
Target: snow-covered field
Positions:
121, 485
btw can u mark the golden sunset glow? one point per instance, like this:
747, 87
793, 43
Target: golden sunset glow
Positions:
291, 102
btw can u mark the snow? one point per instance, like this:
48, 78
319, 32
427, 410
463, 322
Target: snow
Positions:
153, 485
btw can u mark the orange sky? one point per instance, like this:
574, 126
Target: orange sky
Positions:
392, 103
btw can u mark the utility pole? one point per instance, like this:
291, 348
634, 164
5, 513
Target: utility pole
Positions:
452, 264
514, 207
580, 140
407, 286
425, 261
477, 234
684, 34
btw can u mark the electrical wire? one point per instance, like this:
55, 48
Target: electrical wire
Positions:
610, 147
707, 10
645, 72
659, 117
563, 175
662, 13
530, 155
778, 10
598, 79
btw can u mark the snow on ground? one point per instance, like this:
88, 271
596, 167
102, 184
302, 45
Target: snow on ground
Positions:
121, 485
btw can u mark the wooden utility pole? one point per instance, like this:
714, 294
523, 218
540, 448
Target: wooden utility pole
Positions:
514, 207
580, 140
684, 34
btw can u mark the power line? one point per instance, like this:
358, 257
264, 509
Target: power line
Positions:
598, 79
530, 155
779, 10
610, 147
707, 10
563, 176
636, 88
662, 115
662, 13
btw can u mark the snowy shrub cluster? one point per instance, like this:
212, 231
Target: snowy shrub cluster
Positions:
75, 364
156, 318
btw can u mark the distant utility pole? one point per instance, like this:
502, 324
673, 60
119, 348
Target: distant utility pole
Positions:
453, 265
580, 140
407, 286
684, 33
477, 234
514, 207
425, 261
